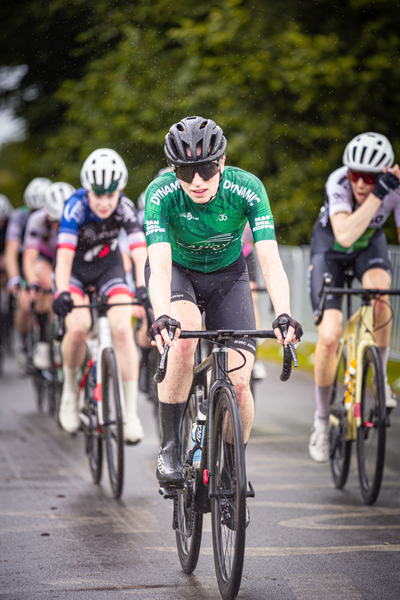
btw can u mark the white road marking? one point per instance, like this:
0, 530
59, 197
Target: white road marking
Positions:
293, 551
323, 587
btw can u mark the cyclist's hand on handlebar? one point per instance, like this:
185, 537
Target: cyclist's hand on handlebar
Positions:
158, 333
33, 290
294, 333
63, 304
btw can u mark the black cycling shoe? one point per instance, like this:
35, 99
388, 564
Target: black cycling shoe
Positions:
229, 514
169, 466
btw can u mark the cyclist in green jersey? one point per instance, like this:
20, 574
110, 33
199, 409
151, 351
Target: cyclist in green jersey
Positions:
194, 220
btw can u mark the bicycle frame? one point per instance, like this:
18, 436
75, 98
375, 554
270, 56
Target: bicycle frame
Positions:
102, 339
358, 336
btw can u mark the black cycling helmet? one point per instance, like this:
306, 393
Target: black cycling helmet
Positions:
194, 133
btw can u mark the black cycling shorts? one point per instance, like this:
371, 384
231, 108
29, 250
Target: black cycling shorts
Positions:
106, 274
223, 295
325, 260
251, 266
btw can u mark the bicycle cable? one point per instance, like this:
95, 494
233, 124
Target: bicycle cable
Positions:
391, 315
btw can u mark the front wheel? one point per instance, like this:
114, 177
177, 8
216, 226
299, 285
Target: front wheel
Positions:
339, 447
371, 435
228, 503
92, 434
113, 425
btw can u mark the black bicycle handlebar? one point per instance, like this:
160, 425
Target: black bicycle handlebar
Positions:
224, 335
102, 302
366, 293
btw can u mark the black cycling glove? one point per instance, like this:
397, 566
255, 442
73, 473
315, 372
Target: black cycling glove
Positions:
63, 304
385, 184
161, 323
296, 326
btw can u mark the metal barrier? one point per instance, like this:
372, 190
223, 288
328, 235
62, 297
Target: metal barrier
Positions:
295, 262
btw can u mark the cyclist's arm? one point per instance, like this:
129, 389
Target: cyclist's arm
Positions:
29, 257
349, 227
11, 255
160, 258
63, 269
275, 278
139, 256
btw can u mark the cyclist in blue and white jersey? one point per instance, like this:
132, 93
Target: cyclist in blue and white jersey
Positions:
194, 222
16, 285
359, 197
88, 255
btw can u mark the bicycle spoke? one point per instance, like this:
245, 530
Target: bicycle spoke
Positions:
371, 435
113, 422
339, 448
228, 505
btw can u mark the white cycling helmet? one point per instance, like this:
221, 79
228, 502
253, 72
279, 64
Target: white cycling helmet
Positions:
6, 207
369, 152
55, 197
34, 193
104, 171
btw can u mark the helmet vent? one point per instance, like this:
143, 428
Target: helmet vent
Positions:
362, 154
383, 159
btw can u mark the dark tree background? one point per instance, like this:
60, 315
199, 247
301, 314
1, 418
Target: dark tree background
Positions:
290, 82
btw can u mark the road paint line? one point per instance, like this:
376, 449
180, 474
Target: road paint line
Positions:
292, 551
316, 521
323, 586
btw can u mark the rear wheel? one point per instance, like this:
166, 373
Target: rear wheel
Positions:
188, 523
339, 447
371, 435
113, 425
228, 505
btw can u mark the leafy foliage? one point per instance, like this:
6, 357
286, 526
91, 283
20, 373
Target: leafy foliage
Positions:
290, 83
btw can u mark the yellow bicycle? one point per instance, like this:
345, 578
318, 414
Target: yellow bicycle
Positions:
358, 410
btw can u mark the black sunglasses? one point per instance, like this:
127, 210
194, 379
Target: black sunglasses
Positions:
206, 171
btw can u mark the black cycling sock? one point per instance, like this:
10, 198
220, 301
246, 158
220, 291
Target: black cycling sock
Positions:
43, 320
170, 419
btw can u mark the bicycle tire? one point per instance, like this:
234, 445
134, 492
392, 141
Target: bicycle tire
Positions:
339, 447
92, 434
189, 523
371, 435
152, 393
228, 506
113, 424
39, 389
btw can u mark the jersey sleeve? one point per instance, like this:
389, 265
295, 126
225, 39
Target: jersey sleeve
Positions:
396, 208
16, 225
34, 225
130, 223
156, 221
73, 217
338, 192
259, 212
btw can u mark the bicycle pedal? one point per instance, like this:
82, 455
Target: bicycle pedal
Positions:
166, 493
250, 493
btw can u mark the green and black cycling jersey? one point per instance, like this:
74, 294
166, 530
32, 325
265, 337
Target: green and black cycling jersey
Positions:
207, 237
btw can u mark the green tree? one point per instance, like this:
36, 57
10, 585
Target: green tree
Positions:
290, 82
